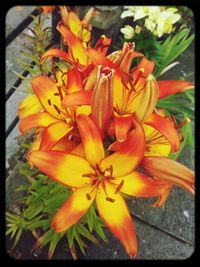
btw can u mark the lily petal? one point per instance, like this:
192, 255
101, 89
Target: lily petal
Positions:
74, 81
129, 154
162, 199
91, 139
146, 65
156, 143
84, 109
53, 134
77, 99
64, 144
139, 185
165, 127
79, 151
169, 170
73, 209
55, 52
170, 87
74, 44
29, 105
102, 45
122, 126
116, 216
100, 59
74, 24
48, 95
64, 168
41, 119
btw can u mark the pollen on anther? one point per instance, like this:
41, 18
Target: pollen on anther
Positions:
88, 196
110, 199
57, 109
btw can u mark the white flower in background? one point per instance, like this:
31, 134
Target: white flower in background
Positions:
150, 25
127, 13
158, 19
165, 21
128, 32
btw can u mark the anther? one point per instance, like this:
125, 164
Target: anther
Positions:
49, 102
110, 199
119, 187
57, 109
88, 196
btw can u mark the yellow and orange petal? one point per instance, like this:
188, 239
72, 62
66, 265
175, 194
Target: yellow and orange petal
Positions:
74, 81
114, 212
129, 154
41, 119
163, 198
29, 105
139, 185
156, 143
170, 171
53, 134
77, 98
65, 144
166, 127
170, 87
55, 52
49, 96
102, 45
64, 168
75, 46
73, 209
122, 126
91, 139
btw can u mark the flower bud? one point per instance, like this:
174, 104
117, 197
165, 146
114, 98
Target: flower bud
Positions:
102, 98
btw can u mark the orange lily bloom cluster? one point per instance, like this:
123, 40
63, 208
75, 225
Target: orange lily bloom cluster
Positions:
99, 132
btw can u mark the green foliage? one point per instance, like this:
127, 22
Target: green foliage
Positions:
43, 198
180, 105
38, 41
149, 46
172, 47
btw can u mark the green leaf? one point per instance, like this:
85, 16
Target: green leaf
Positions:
54, 241
83, 231
18, 235
173, 47
99, 231
80, 242
33, 211
70, 235
44, 239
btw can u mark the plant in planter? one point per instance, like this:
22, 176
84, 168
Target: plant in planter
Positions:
101, 135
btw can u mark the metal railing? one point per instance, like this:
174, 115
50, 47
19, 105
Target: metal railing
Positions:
10, 38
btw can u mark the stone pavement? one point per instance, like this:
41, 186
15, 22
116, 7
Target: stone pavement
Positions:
163, 233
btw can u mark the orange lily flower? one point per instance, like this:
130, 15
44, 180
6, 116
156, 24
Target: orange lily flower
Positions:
161, 137
58, 122
100, 178
80, 28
